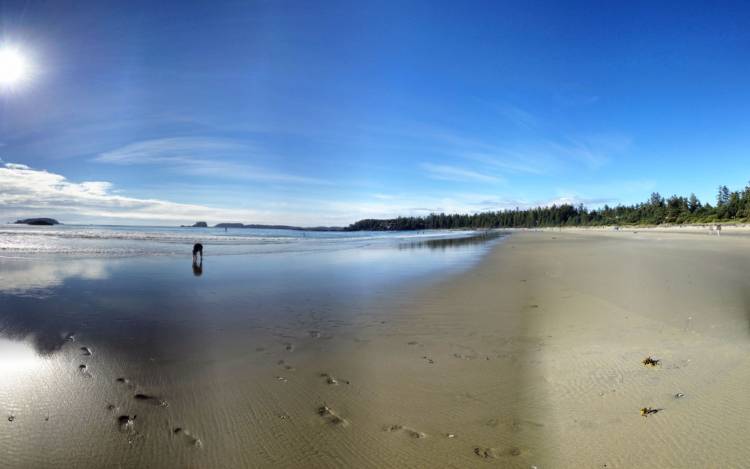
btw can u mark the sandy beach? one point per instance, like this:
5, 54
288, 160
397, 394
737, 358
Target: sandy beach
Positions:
530, 358
534, 359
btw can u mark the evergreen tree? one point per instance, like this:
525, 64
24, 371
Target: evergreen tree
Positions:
723, 196
693, 203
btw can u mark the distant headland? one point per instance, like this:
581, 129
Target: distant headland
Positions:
37, 221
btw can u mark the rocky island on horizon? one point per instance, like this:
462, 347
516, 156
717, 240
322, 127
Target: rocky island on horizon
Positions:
37, 221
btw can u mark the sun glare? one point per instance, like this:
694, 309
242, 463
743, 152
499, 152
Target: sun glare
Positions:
14, 67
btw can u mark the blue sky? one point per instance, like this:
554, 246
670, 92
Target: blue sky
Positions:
327, 112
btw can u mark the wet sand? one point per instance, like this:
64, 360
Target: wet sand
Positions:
531, 358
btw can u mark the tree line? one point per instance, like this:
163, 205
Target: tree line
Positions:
731, 206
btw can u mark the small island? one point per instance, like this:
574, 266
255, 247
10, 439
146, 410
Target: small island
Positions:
38, 221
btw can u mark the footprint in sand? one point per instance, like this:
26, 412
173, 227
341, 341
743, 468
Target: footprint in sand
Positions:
461, 356
494, 453
406, 430
84, 370
125, 381
289, 347
126, 423
330, 379
86, 352
153, 400
487, 453
428, 360
286, 366
281, 378
187, 437
332, 416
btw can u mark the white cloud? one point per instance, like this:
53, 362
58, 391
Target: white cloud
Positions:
27, 192
16, 166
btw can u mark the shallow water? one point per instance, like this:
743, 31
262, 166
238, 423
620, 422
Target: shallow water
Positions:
122, 241
149, 361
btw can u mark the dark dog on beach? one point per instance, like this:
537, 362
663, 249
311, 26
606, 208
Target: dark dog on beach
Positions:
197, 249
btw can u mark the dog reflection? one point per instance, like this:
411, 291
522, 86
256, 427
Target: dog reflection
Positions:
198, 267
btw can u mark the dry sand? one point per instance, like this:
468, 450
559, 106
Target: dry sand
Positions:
530, 359
534, 359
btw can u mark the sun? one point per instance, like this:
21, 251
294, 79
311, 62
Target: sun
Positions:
14, 67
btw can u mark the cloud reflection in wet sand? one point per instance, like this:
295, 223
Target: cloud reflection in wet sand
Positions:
36, 277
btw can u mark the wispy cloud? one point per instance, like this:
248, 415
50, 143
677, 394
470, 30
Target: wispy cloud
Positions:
513, 161
592, 150
454, 173
176, 150
543, 152
200, 156
518, 116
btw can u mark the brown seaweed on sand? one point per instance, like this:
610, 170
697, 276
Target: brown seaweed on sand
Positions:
646, 411
650, 361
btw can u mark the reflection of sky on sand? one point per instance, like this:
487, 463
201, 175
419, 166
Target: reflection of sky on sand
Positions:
38, 275
149, 304
452, 243
18, 358
205, 344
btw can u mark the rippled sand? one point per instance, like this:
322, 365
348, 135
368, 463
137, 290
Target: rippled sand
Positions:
532, 358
